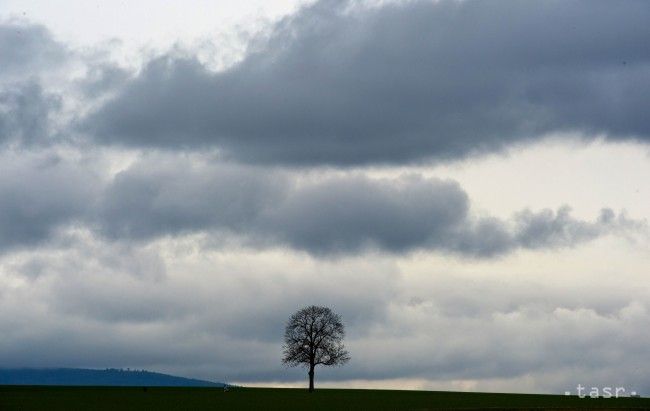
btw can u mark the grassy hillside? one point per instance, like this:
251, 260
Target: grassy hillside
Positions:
130, 398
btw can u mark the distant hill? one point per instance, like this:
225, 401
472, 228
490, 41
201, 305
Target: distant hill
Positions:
107, 377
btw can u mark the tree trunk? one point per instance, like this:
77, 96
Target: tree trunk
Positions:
311, 378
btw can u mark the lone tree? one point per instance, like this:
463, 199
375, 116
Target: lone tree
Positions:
314, 336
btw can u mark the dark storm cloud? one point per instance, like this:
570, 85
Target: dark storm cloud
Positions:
339, 215
399, 83
327, 216
333, 216
347, 215
168, 197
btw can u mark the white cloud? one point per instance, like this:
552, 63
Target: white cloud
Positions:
415, 322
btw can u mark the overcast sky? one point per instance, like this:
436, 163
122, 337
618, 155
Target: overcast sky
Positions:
465, 182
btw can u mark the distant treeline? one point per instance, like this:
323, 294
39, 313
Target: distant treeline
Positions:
107, 377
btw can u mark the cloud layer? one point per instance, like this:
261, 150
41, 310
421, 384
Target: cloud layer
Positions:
328, 215
99, 304
39, 195
340, 83
324, 215
172, 217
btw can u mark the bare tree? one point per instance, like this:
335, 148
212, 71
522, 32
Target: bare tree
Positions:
314, 336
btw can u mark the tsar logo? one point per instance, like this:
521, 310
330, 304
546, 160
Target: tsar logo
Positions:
602, 392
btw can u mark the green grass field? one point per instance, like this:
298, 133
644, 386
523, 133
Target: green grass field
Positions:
28, 398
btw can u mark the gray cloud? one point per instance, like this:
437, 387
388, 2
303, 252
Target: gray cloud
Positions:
347, 215
25, 114
102, 77
164, 196
39, 194
330, 215
32, 62
26, 49
171, 196
400, 83
538, 230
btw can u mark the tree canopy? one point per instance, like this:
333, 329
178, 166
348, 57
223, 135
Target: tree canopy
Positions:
314, 336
